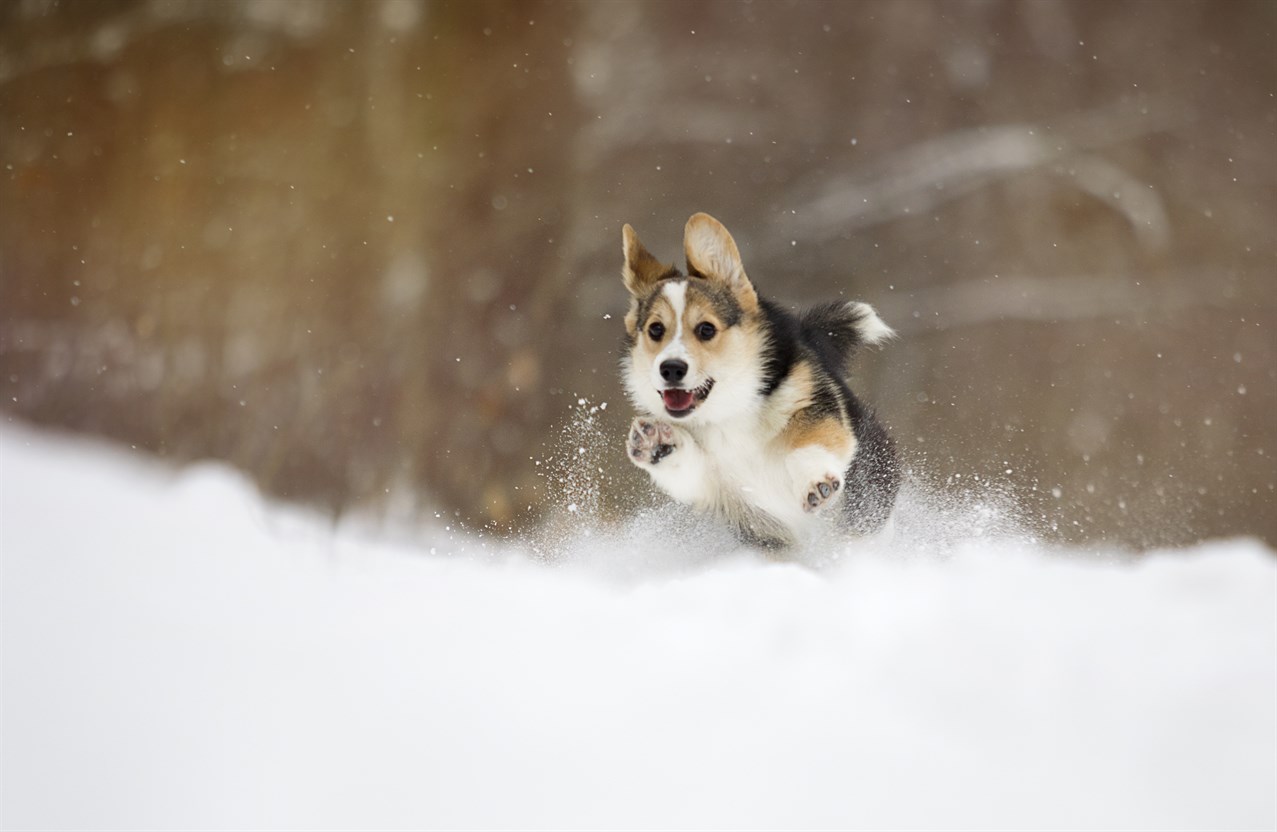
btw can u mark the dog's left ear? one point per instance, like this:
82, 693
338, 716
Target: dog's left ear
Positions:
712, 254
641, 270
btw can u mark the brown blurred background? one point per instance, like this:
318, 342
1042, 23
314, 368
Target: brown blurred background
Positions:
369, 251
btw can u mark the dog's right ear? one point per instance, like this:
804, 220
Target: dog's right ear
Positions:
641, 270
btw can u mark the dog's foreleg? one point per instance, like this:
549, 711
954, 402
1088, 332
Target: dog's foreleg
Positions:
671, 456
819, 451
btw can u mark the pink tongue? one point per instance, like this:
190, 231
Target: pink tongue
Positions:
677, 399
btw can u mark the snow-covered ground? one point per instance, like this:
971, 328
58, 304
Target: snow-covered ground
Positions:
179, 653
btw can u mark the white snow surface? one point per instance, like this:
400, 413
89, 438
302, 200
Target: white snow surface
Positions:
180, 653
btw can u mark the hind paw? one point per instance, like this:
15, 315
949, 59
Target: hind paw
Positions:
650, 441
821, 492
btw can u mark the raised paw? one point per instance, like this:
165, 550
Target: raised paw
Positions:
820, 492
650, 441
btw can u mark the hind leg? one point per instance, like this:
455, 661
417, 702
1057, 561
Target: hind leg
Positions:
873, 480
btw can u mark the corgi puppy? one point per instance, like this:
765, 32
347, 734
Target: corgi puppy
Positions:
744, 408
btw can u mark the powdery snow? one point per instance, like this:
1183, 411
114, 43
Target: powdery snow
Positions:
178, 653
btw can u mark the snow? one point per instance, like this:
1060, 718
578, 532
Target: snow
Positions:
180, 653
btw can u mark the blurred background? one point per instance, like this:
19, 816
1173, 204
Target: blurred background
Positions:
369, 252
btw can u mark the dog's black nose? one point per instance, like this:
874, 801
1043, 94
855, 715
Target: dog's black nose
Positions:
673, 370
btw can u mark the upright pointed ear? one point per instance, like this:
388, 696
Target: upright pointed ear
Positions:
712, 254
641, 270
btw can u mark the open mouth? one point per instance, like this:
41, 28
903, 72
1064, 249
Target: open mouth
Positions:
680, 402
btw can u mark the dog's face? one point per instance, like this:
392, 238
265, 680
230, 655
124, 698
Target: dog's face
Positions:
695, 341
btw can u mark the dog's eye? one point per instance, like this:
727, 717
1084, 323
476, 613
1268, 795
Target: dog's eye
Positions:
656, 330
706, 331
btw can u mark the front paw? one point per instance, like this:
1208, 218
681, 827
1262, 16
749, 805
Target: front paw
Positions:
820, 493
650, 441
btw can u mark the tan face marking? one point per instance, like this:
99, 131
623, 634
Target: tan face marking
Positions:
682, 324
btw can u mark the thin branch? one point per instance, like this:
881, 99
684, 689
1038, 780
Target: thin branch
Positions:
928, 174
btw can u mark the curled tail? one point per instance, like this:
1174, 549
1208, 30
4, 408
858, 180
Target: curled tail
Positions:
837, 329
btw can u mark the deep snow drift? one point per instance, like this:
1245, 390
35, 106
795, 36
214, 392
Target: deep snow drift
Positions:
179, 653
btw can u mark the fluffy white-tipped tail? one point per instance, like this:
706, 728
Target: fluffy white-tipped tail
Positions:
871, 328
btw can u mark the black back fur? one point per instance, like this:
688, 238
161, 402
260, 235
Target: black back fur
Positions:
829, 334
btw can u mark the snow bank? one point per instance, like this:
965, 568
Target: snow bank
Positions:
178, 653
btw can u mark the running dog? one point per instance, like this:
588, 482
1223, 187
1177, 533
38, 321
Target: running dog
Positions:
744, 408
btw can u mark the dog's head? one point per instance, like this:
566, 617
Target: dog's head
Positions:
695, 340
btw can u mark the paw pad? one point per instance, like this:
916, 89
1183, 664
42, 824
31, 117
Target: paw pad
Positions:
650, 441
819, 492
